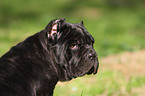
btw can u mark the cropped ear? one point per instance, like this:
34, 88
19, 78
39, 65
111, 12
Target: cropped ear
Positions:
82, 23
53, 29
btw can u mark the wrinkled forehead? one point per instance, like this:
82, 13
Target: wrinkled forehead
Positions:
79, 29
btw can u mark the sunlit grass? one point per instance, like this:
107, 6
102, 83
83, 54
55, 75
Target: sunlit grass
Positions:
106, 83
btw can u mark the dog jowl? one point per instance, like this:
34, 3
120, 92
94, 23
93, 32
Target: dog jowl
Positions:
60, 52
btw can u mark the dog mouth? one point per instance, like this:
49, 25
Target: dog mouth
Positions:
90, 68
93, 70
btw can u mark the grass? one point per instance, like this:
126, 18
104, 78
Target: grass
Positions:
115, 28
106, 83
112, 35
114, 31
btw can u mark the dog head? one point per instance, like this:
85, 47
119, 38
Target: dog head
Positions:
72, 49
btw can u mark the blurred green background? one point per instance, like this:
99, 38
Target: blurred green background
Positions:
116, 25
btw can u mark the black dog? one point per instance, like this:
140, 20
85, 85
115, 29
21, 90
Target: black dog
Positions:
60, 52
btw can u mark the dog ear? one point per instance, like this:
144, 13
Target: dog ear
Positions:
82, 23
53, 29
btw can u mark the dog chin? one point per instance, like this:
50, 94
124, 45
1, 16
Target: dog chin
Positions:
93, 70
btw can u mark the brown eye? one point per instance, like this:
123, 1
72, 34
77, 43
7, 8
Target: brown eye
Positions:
74, 46
91, 43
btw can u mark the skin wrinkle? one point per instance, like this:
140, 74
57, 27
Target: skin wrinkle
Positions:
54, 63
44, 59
79, 59
84, 61
72, 39
67, 35
65, 67
72, 59
68, 67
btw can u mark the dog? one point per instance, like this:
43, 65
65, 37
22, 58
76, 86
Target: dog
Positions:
60, 52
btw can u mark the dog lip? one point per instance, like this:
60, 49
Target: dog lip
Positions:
92, 70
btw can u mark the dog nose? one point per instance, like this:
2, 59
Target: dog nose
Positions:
91, 56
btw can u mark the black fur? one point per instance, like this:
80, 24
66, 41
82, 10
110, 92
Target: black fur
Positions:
34, 66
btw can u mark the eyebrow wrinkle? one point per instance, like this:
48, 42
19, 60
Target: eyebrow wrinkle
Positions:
87, 35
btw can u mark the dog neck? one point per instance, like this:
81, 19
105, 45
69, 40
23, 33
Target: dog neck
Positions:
46, 86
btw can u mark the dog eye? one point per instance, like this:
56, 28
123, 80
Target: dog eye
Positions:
73, 46
92, 43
